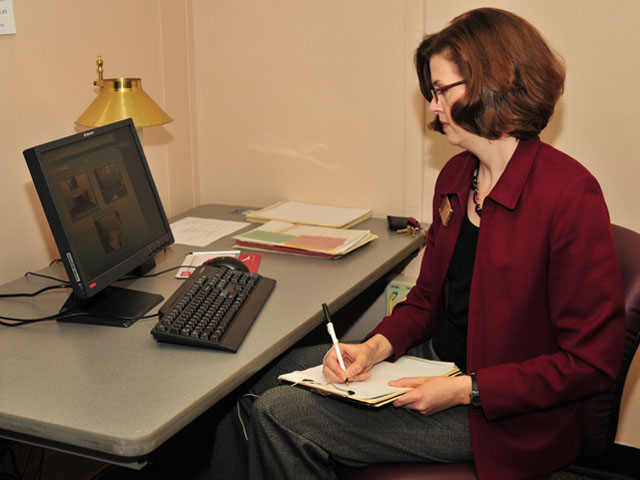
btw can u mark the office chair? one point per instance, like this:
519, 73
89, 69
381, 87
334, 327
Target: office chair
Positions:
600, 413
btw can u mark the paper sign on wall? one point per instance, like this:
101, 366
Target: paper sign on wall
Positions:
7, 20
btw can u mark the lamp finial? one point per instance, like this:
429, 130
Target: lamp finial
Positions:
99, 63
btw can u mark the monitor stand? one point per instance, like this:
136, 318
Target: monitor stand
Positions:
114, 306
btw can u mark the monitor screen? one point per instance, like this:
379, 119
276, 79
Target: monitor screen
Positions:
104, 212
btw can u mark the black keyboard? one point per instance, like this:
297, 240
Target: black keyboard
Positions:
214, 308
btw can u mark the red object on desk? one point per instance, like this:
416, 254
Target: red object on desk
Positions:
251, 260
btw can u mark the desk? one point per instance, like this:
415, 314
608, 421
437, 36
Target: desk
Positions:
116, 394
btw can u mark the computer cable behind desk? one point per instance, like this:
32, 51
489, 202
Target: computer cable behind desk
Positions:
62, 316
214, 308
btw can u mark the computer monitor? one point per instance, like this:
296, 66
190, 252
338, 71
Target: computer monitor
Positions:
106, 218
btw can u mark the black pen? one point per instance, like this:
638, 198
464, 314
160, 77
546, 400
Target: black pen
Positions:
334, 340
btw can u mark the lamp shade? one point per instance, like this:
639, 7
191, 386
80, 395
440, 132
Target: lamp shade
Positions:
122, 98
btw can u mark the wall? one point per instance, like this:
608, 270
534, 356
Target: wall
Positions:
46, 81
313, 101
318, 101
596, 120
309, 100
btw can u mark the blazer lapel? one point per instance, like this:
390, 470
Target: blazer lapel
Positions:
455, 188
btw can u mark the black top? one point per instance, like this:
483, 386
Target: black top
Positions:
450, 338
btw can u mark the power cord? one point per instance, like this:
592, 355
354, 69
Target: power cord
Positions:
41, 275
33, 294
62, 316
65, 316
151, 275
8, 459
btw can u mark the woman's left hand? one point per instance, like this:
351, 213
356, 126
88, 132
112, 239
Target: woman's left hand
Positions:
433, 394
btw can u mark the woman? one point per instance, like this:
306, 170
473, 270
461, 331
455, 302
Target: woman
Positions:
519, 285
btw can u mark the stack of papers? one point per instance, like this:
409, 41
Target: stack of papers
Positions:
203, 231
311, 214
375, 391
304, 239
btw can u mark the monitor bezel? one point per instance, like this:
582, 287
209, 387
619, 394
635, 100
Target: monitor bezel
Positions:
84, 286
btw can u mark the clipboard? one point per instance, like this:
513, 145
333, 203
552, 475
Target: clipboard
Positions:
375, 391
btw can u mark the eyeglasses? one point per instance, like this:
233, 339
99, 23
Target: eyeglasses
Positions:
436, 90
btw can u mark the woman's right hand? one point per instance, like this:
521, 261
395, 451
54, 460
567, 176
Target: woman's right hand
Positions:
358, 359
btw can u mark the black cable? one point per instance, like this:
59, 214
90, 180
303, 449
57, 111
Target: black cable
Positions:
27, 462
33, 294
25, 321
64, 284
151, 275
126, 277
6, 449
45, 276
64, 316
14, 462
40, 470
17, 472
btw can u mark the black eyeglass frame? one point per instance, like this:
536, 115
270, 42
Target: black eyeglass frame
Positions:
437, 90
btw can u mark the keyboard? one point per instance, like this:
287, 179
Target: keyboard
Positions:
213, 308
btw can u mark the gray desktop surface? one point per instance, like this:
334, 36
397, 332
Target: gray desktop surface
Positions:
117, 394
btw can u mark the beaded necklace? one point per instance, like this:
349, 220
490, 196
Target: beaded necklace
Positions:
476, 193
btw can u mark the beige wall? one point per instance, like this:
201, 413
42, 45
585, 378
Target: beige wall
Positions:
309, 101
47, 70
596, 121
292, 99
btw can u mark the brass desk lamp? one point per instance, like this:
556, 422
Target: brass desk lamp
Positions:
121, 98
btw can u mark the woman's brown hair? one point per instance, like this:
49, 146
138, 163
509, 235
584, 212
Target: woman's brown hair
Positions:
513, 78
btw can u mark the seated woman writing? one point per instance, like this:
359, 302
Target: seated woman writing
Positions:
519, 286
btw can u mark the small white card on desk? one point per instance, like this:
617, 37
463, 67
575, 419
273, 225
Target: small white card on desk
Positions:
195, 259
203, 231
7, 20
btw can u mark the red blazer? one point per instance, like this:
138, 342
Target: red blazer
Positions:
546, 311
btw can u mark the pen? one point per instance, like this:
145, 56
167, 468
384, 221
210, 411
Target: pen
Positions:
334, 339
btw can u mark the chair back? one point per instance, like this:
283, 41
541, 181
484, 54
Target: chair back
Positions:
601, 412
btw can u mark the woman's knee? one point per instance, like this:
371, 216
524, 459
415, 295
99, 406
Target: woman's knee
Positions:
282, 403
274, 398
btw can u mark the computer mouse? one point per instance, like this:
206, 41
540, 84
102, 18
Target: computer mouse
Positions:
229, 262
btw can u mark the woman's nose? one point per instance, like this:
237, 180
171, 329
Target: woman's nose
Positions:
434, 106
